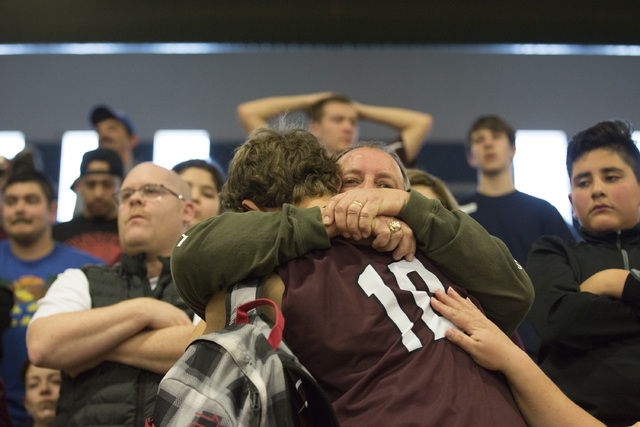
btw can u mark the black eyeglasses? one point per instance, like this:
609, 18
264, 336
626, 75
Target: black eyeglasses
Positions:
148, 192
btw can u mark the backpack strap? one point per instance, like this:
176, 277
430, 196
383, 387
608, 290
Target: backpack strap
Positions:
275, 336
240, 293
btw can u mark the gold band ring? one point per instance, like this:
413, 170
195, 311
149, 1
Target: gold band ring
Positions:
395, 226
355, 202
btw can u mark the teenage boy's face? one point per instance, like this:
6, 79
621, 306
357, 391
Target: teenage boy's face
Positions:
338, 127
605, 193
490, 151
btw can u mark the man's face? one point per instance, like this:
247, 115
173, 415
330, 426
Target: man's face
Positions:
42, 389
204, 193
152, 224
113, 134
338, 127
26, 214
96, 189
369, 168
490, 151
605, 193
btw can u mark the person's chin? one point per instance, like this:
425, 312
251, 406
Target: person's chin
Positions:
48, 418
604, 224
342, 145
99, 214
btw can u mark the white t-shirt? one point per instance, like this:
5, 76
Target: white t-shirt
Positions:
70, 292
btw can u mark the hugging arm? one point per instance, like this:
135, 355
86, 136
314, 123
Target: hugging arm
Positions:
453, 241
223, 250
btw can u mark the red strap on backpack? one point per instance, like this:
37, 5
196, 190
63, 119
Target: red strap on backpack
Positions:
275, 337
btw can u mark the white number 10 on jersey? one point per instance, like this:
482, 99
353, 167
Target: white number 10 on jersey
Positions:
373, 285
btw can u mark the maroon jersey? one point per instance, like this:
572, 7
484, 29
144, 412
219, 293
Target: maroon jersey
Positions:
363, 325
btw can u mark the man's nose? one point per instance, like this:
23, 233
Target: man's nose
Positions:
367, 184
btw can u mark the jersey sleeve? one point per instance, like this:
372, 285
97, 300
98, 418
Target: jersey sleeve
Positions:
473, 259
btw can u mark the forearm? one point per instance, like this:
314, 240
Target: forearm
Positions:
565, 316
255, 114
155, 351
606, 282
64, 341
198, 330
540, 401
412, 125
472, 259
249, 244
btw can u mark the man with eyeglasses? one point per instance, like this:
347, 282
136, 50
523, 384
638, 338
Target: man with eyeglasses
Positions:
115, 331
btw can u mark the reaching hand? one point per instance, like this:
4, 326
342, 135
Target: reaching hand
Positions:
484, 341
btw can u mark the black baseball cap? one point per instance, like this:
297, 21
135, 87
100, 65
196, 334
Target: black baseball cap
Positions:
102, 112
107, 155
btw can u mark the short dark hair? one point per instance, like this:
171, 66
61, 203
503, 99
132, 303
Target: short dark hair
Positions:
216, 171
493, 123
316, 111
26, 175
613, 135
274, 167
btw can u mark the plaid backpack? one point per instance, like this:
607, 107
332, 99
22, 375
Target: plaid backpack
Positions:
243, 375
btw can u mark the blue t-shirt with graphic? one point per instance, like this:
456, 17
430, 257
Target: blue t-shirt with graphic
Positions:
29, 281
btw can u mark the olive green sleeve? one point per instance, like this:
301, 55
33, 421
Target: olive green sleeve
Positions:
473, 259
223, 250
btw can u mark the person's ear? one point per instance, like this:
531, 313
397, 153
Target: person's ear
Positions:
250, 206
188, 212
471, 160
53, 211
313, 128
133, 141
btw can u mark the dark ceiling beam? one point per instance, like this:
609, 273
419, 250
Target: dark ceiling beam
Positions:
328, 22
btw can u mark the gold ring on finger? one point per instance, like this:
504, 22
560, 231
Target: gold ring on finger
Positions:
395, 226
355, 202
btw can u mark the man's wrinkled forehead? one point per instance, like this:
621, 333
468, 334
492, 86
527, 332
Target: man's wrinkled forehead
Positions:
371, 160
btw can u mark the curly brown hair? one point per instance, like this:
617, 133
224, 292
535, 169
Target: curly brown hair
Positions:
274, 167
